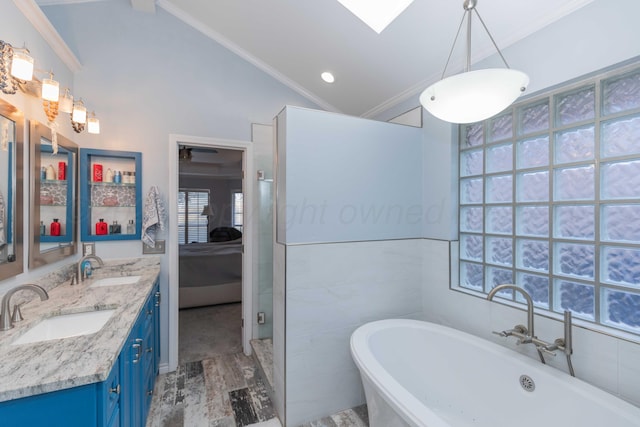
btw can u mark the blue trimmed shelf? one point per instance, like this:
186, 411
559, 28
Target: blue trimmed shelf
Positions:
110, 201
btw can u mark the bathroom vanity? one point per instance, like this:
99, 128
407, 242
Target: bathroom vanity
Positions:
105, 378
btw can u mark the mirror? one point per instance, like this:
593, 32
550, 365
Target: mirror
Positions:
53, 197
11, 172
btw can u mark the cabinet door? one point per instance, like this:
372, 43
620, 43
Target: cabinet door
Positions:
109, 393
131, 373
111, 205
156, 327
73, 407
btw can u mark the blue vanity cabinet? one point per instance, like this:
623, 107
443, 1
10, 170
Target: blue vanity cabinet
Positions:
105, 197
139, 367
122, 400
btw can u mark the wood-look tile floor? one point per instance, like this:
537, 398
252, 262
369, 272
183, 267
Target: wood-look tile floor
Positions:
223, 388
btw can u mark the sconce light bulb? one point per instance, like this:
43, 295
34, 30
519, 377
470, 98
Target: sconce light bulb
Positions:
66, 102
22, 65
50, 90
79, 114
93, 125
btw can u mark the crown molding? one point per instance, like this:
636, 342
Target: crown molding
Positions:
217, 37
41, 23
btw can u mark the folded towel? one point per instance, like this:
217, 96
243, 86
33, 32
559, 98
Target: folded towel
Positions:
153, 217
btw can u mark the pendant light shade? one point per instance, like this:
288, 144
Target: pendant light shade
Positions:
473, 96
22, 65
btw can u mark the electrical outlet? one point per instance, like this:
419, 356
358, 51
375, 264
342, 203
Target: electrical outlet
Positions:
88, 248
158, 249
261, 318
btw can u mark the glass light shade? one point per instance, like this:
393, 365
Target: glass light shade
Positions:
79, 114
22, 65
93, 125
66, 102
50, 90
475, 95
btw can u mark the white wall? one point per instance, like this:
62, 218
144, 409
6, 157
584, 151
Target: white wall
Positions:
146, 76
348, 179
17, 30
333, 272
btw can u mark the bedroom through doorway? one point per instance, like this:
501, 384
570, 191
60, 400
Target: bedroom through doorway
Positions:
210, 216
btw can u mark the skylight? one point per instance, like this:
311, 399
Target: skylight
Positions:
376, 13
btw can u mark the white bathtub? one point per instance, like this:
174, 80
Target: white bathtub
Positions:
422, 374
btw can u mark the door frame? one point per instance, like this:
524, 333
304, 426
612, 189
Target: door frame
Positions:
175, 141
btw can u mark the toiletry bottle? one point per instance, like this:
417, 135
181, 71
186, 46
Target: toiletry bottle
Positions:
131, 227
43, 173
43, 228
115, 228
108, 175
51, 172
97, 172
62, 171
101, 227
55, 227
117, 177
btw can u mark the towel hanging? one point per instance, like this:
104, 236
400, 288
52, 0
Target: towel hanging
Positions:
154, 216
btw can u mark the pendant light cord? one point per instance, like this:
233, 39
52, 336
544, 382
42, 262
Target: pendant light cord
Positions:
464, 15
491, 37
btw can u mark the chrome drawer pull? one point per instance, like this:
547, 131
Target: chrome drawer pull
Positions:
115, 390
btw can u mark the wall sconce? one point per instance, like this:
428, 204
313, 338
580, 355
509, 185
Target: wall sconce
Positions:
93, 124
66, 102
8, 85
50, 89
79, 113
22, 64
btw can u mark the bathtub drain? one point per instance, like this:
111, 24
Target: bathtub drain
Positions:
527, 383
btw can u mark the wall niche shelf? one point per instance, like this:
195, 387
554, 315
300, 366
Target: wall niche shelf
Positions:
104, 198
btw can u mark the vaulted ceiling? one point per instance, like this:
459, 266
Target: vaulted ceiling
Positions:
296, 40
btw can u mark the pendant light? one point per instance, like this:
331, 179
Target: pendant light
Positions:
473, 96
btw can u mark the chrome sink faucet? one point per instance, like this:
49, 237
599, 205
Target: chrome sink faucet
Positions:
526, 334
80, 273
5, 319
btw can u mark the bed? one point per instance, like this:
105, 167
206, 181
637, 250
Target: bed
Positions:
210, 273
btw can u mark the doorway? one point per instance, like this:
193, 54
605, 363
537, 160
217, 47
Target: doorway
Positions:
214, 223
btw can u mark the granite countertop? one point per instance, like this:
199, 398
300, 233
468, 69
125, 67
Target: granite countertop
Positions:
30, 369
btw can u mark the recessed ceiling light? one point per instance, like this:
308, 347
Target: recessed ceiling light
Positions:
376, 13
328, 77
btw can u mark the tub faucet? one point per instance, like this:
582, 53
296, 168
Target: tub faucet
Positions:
528, 332
5, 319
80, 273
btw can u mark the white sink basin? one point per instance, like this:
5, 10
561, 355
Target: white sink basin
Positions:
65, 326
115, 281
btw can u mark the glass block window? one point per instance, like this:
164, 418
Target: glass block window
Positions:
550, 200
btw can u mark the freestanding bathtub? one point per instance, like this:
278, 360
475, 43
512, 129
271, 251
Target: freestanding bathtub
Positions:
422, 374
